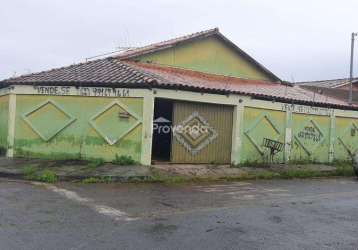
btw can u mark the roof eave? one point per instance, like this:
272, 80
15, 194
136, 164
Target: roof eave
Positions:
147, 85
256, 96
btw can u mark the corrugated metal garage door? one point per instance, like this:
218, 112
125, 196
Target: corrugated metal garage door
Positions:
202, 133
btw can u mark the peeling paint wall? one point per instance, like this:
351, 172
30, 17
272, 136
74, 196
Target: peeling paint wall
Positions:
62, 127
4, 113
209, 55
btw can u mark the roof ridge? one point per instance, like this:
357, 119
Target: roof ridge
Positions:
127, 53
134, 66
148, 76
184, 37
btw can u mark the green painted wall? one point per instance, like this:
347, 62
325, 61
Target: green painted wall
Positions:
312, 136
346, 142
260, 124
4, 114
209, 55
61, 128
310, 140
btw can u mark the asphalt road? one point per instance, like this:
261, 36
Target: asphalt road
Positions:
277, 214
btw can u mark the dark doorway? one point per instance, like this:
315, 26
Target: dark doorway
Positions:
162, 134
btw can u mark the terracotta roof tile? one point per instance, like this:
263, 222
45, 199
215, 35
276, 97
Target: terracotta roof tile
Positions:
103, 71
175, 77
115, 73
332, 83
164, 44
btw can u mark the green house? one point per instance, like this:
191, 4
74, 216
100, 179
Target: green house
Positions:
193, 99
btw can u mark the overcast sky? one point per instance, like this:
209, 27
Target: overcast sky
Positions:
296, 40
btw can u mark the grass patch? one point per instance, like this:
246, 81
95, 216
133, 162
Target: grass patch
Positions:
124, 160
95, 163
31, 173
44, 174
341, 170
47, 176
345, 169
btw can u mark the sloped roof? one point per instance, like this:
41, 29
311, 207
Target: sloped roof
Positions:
341, 94
165, 44
182, 78
333, 83
187, 38
112, 72
107, 71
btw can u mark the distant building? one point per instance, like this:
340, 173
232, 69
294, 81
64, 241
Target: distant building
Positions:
337, 88
193, 99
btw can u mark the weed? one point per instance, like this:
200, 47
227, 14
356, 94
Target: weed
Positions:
29, 172
94, 163
47, 176
345, 170
124, 160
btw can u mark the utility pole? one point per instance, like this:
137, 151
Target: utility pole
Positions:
350, 98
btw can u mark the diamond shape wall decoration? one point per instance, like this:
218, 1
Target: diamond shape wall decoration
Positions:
194, 133
112, 125
256, 134
310, 136
349, 132
48, 119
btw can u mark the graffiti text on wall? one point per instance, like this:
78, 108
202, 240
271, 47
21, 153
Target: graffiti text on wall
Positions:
82, 91
310, 133
306, 109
